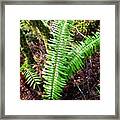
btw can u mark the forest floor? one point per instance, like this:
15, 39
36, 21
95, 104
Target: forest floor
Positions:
84, 85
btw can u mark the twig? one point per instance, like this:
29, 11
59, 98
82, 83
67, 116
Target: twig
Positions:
80, 91
97, 90
88, 85
90, 62
80, 32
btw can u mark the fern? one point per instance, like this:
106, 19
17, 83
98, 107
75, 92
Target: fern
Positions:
82, 51
30, 75
32, 78
75, 60
62, 60
55, 75
27, 33
64, 57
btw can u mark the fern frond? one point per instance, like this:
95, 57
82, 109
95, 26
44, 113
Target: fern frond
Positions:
56, 64
30, 75
32, 78
82, 51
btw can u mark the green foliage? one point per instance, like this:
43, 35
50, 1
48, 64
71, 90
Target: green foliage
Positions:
35, 29
64, 56
55, 75
24, 46
32, 78
86, 27
42, 28
82, 51
60, 64
30, 75
27, 36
